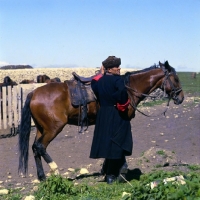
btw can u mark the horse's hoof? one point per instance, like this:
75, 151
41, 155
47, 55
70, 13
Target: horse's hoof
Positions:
42, 178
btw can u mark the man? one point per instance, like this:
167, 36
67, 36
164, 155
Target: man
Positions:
112, 138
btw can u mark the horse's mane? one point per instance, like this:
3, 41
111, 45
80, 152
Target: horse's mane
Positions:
127, 74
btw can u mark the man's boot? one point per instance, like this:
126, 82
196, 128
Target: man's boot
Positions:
110, 179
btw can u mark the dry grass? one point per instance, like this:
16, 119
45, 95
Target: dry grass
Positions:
18, 75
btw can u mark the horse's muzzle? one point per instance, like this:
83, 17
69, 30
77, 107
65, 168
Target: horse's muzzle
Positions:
177, 100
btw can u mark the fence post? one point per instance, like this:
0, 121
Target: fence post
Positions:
4, 95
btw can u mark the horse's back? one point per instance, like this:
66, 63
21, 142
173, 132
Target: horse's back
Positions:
51, 92
50, 96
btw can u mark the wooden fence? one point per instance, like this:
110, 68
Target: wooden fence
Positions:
12, 101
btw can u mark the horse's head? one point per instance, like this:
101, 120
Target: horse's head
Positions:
45, 77
171, 83
7, 80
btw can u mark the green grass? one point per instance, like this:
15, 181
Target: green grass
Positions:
58, 188
190, 85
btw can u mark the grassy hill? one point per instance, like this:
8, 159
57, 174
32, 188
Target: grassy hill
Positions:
190, 85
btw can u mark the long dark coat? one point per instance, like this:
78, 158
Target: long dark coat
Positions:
112, 135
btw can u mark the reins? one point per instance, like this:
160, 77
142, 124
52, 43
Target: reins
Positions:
163, 86
134, 106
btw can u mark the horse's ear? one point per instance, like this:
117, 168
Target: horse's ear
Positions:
167, 66
162, 66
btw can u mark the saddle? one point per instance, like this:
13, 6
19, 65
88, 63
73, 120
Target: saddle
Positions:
84, 80
81, 94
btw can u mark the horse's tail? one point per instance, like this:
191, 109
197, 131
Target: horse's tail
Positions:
24, 135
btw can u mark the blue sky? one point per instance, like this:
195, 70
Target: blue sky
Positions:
82, 33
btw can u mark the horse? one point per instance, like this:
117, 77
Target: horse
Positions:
8, 81
42, 78
51, 109
26, 81
54, 80
46, 79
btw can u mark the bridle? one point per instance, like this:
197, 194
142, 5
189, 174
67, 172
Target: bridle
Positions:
173, 95
174, 91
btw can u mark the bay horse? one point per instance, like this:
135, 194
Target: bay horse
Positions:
26, 81
42, 78
46, 79
53, 80
51, 108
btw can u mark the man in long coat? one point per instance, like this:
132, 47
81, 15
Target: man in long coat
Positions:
112, 138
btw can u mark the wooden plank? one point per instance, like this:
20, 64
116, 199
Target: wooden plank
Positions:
15, 112
1, 106
4, 107
9, 106
19, 100
1, 111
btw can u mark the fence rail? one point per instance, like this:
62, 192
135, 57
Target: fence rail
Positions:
12, 101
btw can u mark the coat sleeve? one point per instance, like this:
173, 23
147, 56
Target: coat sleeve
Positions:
122, 95
94, 84
123, 107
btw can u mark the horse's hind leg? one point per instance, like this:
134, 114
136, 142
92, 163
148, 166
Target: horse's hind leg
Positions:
37, 155
39, 149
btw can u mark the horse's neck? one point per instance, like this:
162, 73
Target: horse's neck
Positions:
144, 83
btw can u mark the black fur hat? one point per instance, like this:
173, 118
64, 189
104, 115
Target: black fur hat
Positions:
111, 62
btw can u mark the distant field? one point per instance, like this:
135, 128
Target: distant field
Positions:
190, 85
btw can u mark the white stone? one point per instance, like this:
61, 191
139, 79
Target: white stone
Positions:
30, 197
35, 188
71, 169
125, 193
4, 191
22, 189
36, 181
84, 171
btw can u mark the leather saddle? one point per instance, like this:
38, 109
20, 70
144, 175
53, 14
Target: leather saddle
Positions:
81, 94
80, 90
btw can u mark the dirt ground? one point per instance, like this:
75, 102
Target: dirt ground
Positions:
159, 142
